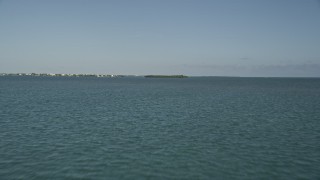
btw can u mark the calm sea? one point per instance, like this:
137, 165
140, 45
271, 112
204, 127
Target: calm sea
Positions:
144, 128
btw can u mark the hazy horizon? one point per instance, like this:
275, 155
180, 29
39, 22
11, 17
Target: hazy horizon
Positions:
195, 38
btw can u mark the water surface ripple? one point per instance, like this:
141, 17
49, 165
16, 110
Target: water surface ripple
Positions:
138, 128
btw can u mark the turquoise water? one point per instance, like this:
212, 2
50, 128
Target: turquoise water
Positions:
140, 128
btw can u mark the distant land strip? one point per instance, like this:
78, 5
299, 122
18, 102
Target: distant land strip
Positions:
88, 75
59, 75
166, 76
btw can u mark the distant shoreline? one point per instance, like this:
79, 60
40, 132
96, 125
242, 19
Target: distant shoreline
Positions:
166, 76
141, 76
88, 75
59, 75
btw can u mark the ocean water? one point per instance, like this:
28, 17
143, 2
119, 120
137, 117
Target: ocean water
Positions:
141, 128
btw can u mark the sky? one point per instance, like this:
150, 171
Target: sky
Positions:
137, 37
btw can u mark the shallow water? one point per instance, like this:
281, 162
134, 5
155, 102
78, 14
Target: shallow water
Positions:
141, 128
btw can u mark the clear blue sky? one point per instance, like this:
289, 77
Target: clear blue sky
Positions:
192, 37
